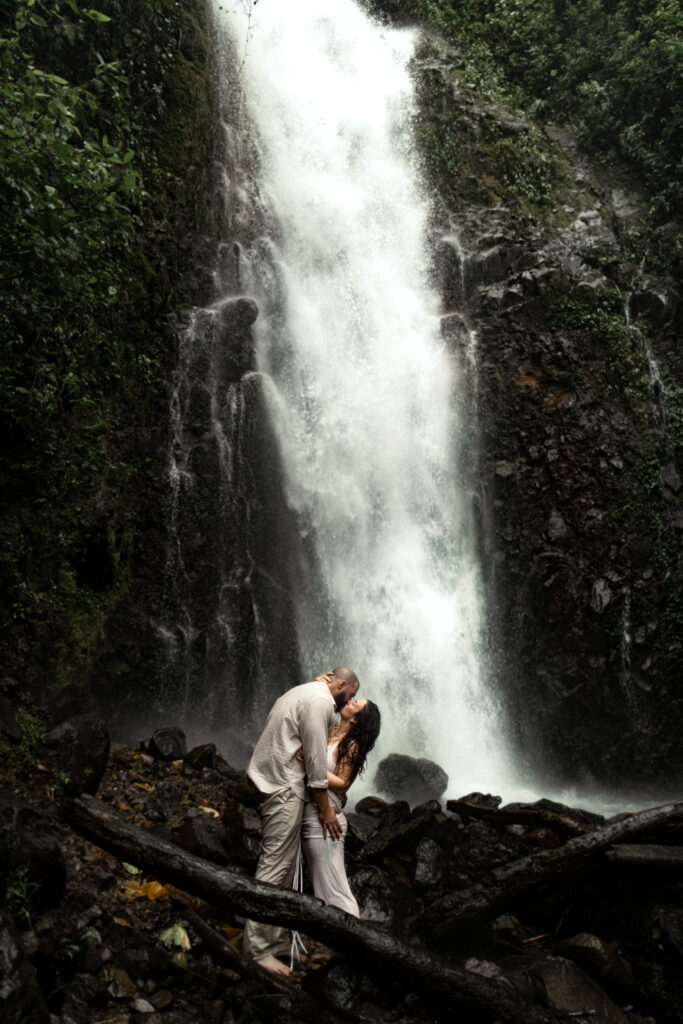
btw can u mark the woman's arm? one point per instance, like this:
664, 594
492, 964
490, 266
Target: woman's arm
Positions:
343, 775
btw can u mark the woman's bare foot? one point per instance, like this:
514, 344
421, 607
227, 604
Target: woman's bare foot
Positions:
275, 966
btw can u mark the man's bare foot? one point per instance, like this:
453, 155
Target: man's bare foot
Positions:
275, 966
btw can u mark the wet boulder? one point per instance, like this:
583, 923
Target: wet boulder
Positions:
372, 806
337, 985
384, 899
241, 834
569, 990
168, 744
203, 836
602, 962
77, 750
203, 756
400, 830
415, 779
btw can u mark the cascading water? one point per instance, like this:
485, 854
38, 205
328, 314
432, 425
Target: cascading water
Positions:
365, 404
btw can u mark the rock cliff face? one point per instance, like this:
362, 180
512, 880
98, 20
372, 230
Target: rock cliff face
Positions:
577, 382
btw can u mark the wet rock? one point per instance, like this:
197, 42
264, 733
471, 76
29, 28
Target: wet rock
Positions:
338, 985
361, 828
509, 929
480, 847
37, 851
237, 312
557, 528
569, 990
165, 801
486, 969
119, 984
602, 962
601, 596
141, 1006
168, 744
478, 799
455, 330
577, 813
653, 305
203, 836
161, 999
542, 837
373, 806
204, 756
77, 750
410, 778
397, 830
496, 298
21, 999
141, 961
430, 866
241, 833
384, 899
90, 990
588, 290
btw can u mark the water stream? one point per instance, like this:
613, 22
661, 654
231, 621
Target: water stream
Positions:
367, 404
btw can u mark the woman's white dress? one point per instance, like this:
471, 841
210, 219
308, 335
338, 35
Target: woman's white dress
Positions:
325, 857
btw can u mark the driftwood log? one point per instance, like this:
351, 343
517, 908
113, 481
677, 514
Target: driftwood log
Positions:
647, 855
374, 949
456, 912
530, 816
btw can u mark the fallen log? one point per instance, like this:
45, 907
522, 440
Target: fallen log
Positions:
451, 916
647, 855
375, 949
530, 816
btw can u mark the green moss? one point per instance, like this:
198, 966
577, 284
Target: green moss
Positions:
83, 380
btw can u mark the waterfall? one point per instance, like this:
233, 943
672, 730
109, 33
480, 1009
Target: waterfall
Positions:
367, 400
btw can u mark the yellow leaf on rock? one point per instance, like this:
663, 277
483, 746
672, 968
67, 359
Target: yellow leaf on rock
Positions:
123, 806
177, 764
122, 921
209, 810
146, 890
147, 786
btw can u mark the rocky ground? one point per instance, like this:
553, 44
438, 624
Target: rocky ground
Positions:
89, 939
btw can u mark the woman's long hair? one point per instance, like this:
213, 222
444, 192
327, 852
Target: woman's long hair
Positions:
360, 739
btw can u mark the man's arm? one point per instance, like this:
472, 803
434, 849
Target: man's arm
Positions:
315, 727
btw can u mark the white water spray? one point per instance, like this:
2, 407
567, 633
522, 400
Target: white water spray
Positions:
367, 409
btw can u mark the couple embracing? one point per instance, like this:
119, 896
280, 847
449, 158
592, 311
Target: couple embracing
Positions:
303, 765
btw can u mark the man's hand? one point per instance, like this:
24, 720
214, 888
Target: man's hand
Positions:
328, 820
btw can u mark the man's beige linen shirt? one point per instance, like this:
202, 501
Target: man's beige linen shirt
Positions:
301, 718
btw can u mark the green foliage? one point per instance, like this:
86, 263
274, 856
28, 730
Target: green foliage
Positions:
85, 212
19, 760
608, 340
612, 68
20, 891
527, 169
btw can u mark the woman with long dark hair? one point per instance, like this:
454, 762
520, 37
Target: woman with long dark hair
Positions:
351, 741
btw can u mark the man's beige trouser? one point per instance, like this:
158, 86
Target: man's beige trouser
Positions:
281, 816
